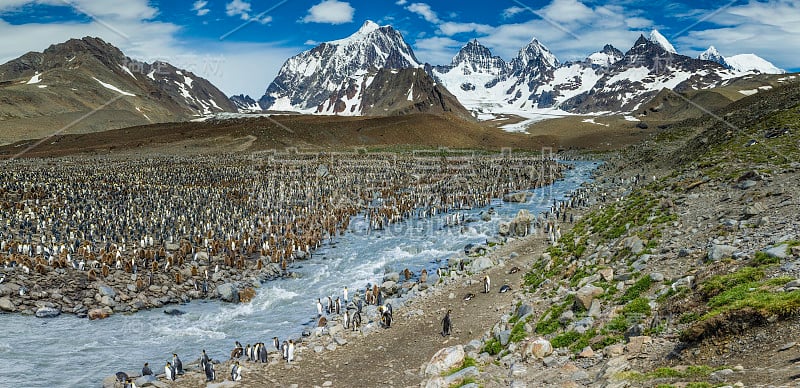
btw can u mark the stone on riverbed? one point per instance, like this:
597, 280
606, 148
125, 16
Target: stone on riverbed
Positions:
444, 360
48, 312
228, 293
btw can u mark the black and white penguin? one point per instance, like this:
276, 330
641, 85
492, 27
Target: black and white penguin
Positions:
262, 353
487, 284
169, 371
285, 349
330, 305
290, 351
177, 364
204, 360
505, 288
447, 325
338, 306
319, 307
211, 374
146, 371
356, 324
277, 343
346, 319
513, 270
468, 297
248, 353
236, 372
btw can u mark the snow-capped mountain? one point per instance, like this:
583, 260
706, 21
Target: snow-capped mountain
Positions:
741, 62
660, 40
390, 92
605, 58
245, 103
332, 78
67, 80
306, 80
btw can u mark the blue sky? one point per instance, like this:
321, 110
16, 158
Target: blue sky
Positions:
240, 44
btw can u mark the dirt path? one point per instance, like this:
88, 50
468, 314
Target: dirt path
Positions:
392, 357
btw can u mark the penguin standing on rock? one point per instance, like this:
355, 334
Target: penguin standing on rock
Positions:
169, 371
319, 307
290, 351
204, 360
277, 343
236, 372
177, 364
447, 325
211, 374
486, 284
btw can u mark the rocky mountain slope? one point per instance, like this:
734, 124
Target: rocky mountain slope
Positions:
43, 92
391, 92
306, 80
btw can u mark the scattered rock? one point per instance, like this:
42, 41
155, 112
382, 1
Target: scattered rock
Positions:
719, 251
787, 346
636, 344
538, 348
721, 375
444, 360
778, 251
515, 197
587, 352
634, 244
228, 293
607, 274
586, 295
102, 313
480, 264
48, 312
6, 305
657, 277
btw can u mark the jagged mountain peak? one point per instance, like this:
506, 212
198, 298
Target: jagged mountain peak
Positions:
476, 58
606, 57
307, 79
660, 40
711, 54
534, 55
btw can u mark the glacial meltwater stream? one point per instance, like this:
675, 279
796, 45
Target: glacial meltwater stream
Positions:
71, 352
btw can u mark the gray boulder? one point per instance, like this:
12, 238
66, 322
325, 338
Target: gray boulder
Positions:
720, 251
444, 360
778, 251
6, 305
480, 264
228, 293
105, 290
48, 312
516, 197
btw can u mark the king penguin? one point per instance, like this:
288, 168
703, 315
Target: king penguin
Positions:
236, 372
169, 371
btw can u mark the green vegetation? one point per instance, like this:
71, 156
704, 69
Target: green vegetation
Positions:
639, 288
693, 372
689, 317
565, 339
549, 323
493, 347
468, 362
717, 284
767, 297
518, 331
468, 380
762, 258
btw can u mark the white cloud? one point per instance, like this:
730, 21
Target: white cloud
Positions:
199, 6
437, 50
425, 11
401, 2
508, 13
311, 42
330, 12
239, 8
453, 28
242, 9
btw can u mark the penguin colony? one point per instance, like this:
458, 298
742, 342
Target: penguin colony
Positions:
191, 224
351, 310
